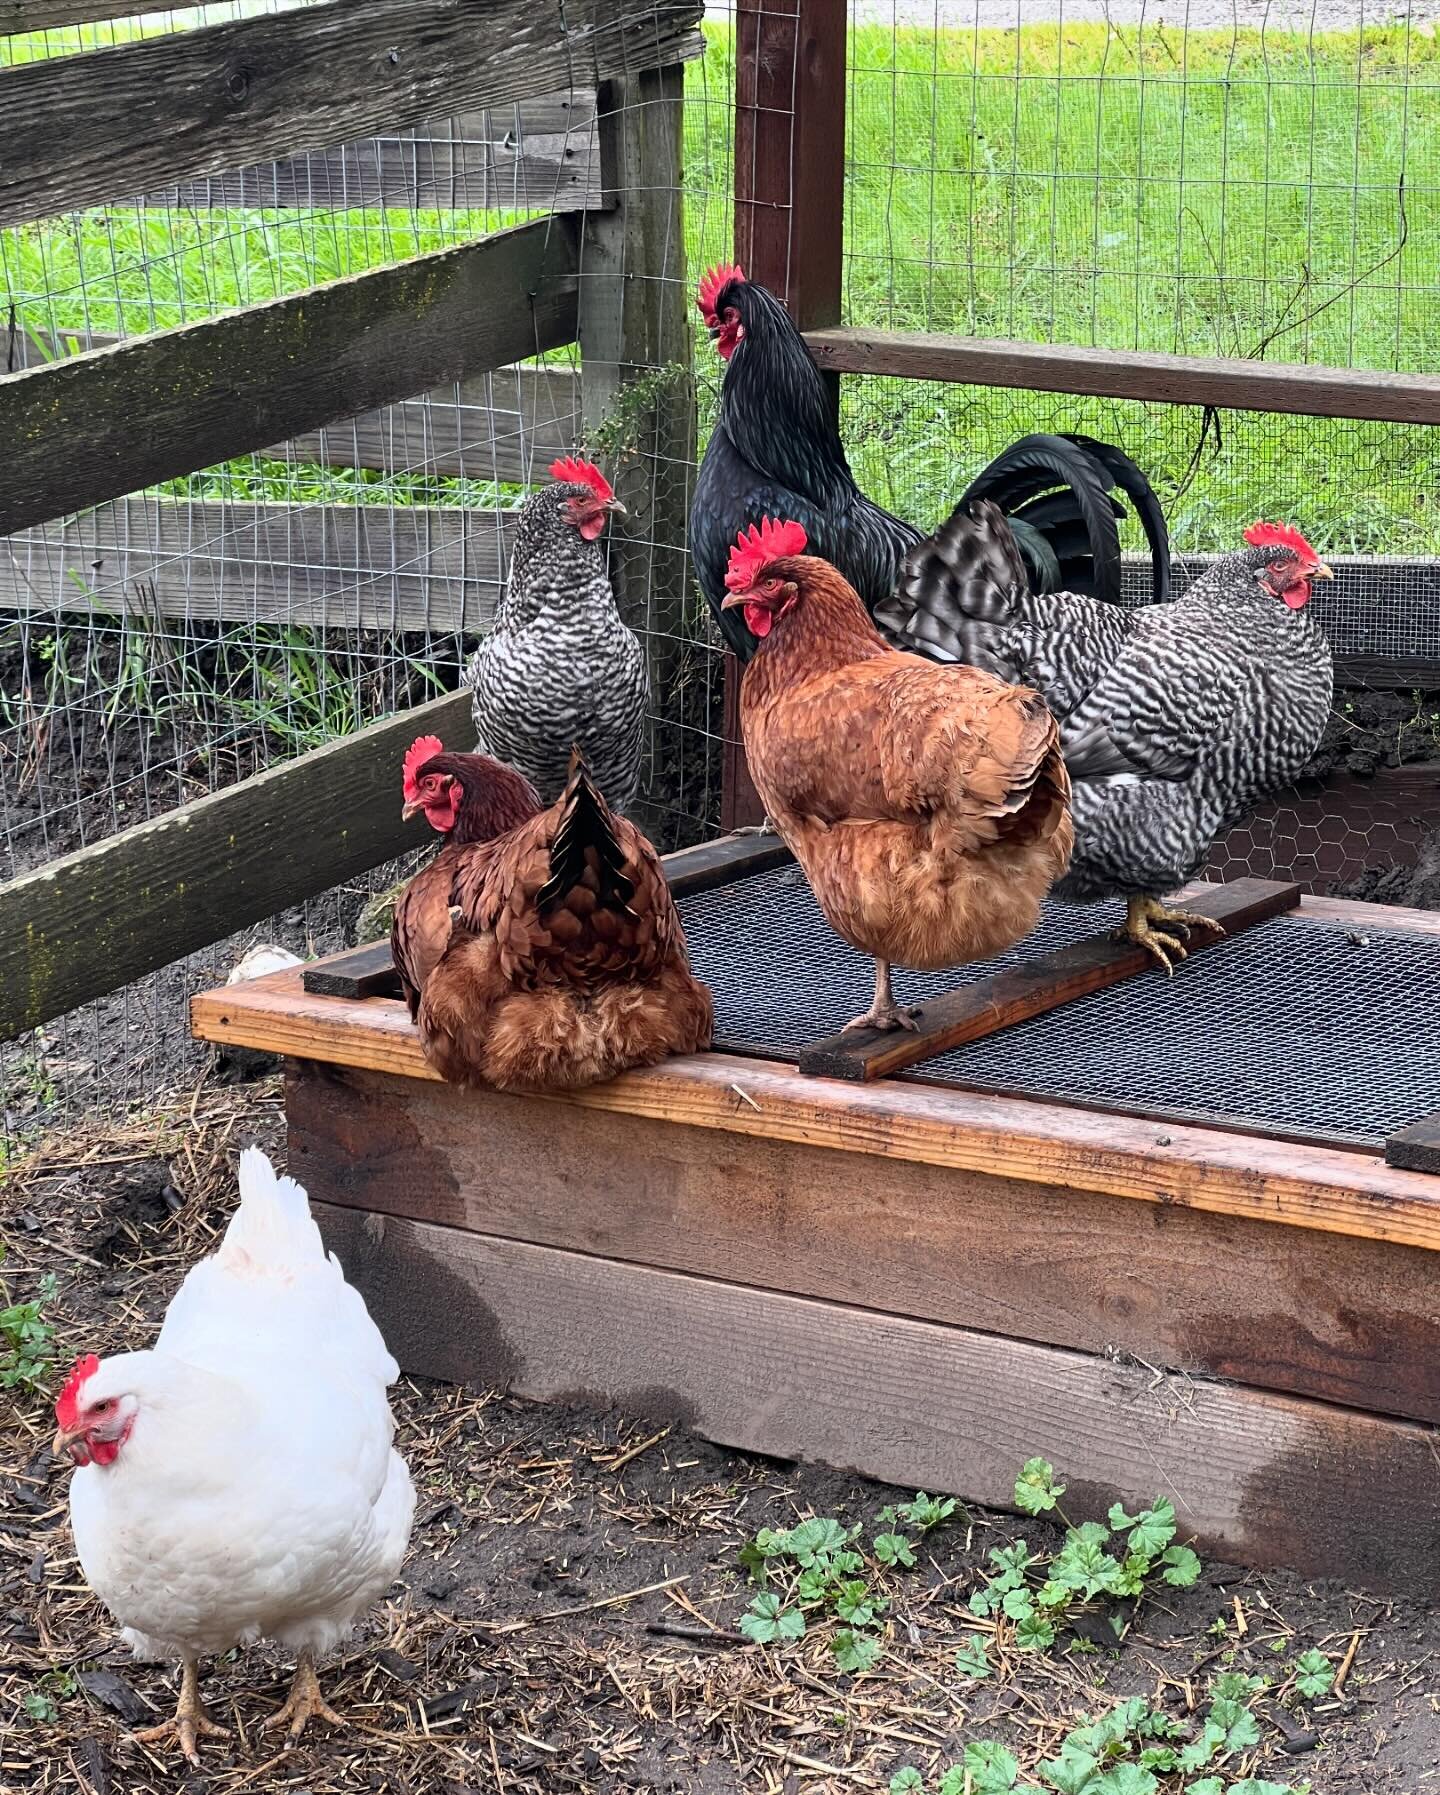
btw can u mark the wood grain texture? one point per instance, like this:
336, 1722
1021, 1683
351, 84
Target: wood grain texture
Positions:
1191, 1167
84, 130
909, 1402
1344, 1320
1416, 1148
94, 920
358, 973
506, 425
541, 155
41, 15
159, 406
408, 568
1005, 998
1129, 374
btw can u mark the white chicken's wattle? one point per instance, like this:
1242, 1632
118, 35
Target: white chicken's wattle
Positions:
237, 1481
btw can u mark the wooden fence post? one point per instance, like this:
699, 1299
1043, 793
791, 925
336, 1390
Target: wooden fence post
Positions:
789, 214
638, 386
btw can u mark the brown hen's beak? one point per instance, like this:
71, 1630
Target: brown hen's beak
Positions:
1321, 572
732, 599
409, 811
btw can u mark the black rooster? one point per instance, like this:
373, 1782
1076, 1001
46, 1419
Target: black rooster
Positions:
775, 452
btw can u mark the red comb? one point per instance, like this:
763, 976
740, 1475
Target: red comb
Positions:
1280, 536
423, 748
67, 1404
571, 472
712, 284
756, 547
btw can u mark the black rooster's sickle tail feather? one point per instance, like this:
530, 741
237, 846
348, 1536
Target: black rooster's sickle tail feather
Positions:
586, 822
1132, 482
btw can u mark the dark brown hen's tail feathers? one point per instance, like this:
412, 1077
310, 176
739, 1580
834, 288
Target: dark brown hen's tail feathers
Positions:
586, 822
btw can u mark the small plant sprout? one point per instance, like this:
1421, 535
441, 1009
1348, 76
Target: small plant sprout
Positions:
27, 1339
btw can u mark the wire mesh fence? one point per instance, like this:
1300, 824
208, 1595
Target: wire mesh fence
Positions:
1204, 182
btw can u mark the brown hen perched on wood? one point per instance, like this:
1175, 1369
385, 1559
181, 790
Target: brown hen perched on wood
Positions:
550, 955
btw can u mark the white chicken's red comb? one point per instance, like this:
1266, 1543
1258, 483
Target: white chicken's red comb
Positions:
712, 284
758, 546
423, 748
1281, 536
67, 1403
570, 472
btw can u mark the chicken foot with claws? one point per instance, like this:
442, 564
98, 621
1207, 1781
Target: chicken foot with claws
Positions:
1163, 932
884, 1013
304, 1703
190, 1724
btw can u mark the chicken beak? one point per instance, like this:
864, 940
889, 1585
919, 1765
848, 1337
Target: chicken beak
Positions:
614, 505
409, 811
1322, 572
733, 599
61, 1444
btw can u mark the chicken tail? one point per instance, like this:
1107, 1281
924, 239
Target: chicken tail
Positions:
1057, 495
272, 1230
961, 591
586, 848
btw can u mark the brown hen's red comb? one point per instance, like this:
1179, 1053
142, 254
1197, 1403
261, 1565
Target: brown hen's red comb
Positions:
423, 748
712, 284
571, 472
67, 1403
756, 547
1280, 536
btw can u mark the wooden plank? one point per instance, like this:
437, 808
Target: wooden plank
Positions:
368, 971
159, 406
401, 568
998, 1002
789, 220
1322, 1315
1187, 1166
541, 155
506, 425
1127, 374
84, 130
908, 1402
1364, 918
1416, 1148
93, 920
42, 15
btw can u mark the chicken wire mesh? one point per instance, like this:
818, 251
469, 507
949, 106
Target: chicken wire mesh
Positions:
1221, 180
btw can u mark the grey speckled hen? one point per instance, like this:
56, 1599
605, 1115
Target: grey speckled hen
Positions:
1176, 719
559, 668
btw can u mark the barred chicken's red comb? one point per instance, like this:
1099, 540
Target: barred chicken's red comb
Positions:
67, 1404
758, 546
1281, 536
571, 472
423, 748
712, 284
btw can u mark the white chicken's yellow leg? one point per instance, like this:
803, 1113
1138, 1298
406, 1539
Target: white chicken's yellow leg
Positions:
1163, 932
304, 1704
191, 1722
884, 1013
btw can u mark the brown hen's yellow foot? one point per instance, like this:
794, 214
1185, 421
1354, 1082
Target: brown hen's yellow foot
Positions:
1163, 932
884, 1013
304, 1704
191, 1722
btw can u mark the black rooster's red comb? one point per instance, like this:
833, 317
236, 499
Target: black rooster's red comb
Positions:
712, 285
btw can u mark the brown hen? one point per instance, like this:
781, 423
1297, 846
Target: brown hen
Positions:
928, 806
561, 961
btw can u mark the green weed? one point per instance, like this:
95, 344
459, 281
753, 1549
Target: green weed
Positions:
27, 1339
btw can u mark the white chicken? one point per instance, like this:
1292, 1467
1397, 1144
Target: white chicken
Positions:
237, 1481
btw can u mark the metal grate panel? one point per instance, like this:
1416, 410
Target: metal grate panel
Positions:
1296, 1027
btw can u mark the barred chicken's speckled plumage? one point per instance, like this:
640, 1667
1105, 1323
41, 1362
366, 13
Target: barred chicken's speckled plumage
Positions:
1176, 719
559, 668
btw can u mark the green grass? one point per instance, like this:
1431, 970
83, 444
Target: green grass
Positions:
1209, 193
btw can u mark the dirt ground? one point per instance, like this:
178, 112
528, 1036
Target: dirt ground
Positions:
567, 1617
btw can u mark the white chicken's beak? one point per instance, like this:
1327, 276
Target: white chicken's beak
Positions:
64, 1444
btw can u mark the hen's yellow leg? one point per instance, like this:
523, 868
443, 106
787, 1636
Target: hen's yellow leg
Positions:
304, 1704
1163, 932
191, 1722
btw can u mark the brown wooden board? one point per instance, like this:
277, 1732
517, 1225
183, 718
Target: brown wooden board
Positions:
1312, 1186
1129, 374
162, 405
990, 1004
1345, 1320
1264, 1479
1416, 1148
92, 921
392, 568
84, 130
41, 15
359, 972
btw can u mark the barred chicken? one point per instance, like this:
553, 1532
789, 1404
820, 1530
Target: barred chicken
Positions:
559, 668
237, 1480
927, 805
775, 451
1175, 719
542, 953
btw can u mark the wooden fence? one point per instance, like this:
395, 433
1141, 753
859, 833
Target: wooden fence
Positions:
250, 113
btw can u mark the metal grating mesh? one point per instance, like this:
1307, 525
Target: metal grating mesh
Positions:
1296, 1027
